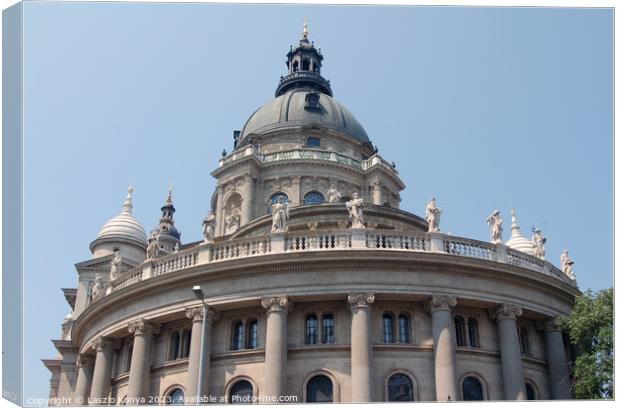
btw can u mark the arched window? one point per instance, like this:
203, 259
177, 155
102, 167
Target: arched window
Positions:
175, 343
274, 199
328, 328
313, 142
459, 330
403, 328
525, 341
388, 328
311, 326
314, 197
186, 340
176, 397
305, 65
241, 393
472, 389
320, 389
237, 335
472, 330
295, 66
400, 388
253, 334
530, 392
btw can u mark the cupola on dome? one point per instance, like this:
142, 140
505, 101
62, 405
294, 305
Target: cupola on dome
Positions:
124, 226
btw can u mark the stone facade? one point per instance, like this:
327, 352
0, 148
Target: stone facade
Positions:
315, 310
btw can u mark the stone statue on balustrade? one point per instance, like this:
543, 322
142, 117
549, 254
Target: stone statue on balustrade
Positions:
433, 214
333, 195
233, 219
98, 289
567, 264
177, 247
495, 224
279, 216
152, 248
356, 211
208, 227
539, 243
117, 263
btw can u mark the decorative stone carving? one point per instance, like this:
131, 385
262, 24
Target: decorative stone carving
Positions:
505, 311
177, 247
312, 226
66, 327
277, 304
105, 344
439, 302
196, 314
152, 249
539, 243
361, 299
279, 216
567, 264
356, 211
117, 263
233, 219
86, 360
333, 195
208, 227
143, 327
433, 214
495, 224
98, 289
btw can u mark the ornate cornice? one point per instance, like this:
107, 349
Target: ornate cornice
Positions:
277, 304
143, 327
105, 344
505, 311
197, 314
440, 302
360, 300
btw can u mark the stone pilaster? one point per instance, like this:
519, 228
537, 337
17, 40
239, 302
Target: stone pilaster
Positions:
247, 195
219, 212
377, 193
195, 370
440, 306
140, 369
86, 365
276, 344
295, 198
361, 346
104, 354
512, 366
559, 371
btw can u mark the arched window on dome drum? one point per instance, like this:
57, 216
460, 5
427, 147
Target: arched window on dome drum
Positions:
472, 331
320, 389
252, 334
237, 335
472, 389
241, 393
313, 197
403, 328
311, 329
525, 341
176, 397
186, 339
459, 331
529, 392
175, 343
305, 65
400, 388
313, 142
388, 328
274, 199
328, 328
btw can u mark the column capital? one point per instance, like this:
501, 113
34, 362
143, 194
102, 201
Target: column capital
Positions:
440, 302
360, 300
143, 327
277, 304
105, 344
549, 325
86, 360
295, 179
505, 311
196, 314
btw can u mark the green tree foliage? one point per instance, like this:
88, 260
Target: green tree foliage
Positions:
590, 328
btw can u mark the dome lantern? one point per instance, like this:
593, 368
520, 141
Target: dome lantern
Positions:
517, 240
169, 236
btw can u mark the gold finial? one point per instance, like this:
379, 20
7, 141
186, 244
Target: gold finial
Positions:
305, 33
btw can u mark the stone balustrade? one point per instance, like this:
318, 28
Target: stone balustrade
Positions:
342, 239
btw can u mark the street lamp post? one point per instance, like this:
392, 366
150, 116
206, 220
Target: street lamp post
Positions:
200, 385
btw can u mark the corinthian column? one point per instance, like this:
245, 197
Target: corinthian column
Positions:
195, 370
100, 388
439, 307
275, 344
361, 346
140, 369
512, 366
559, 372
247, 193
84, 380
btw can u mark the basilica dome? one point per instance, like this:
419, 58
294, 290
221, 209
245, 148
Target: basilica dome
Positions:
124, 226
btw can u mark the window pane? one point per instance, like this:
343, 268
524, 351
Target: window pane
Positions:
529, 391
459, 331
400, 388
314, 197
525, 341
253, 335
320, 389
274, 199
311, 326
176, 397
237, 336
403, 329
472, 389
174, 345
187, 339
313, 142
472, 327
328, 329
388, 328
241, 393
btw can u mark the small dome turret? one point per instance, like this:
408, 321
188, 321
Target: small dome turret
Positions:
517, 240
168, 235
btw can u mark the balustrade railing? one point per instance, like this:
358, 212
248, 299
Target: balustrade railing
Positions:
174, 262
469, 248
390, 239
128, 278
240, 248
317, 241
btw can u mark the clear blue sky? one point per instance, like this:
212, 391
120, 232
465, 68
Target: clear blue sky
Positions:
482, 108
